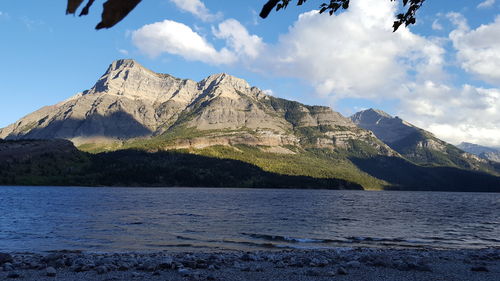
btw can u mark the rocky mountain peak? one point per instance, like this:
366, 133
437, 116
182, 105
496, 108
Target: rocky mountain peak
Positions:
386, 127
123, 64
126, 66
225, 80
488, 153
128, 78
370, 115
475, 148
130, 101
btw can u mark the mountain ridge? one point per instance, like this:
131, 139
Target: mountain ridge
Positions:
132, 114
416, 144
130, 101
484, 152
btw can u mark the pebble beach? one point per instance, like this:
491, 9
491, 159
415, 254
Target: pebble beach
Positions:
332, 264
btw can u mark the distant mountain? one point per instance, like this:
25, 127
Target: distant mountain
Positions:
141, 128
416, 144
488, 153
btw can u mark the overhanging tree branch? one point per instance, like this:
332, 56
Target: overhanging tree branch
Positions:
406, 18
115, 10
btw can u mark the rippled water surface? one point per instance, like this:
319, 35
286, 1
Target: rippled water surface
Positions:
188, 219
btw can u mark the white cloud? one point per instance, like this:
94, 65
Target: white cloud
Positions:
179, 39
436, 25
238, 38
268, 92
466, 112
355, 54
333, 53
455, 114
486, 4
123, 52
197, 8
478, 50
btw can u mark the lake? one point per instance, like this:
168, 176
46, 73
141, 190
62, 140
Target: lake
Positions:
37, 219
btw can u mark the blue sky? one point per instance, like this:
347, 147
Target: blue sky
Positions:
442, 74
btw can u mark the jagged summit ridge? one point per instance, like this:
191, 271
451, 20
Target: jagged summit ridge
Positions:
132, 107
484, 152
374, 113
415, 144
130, 101
386, 127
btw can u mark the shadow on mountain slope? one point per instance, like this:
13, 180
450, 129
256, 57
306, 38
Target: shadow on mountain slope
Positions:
140, 168
116, 125
132, 167
404, 175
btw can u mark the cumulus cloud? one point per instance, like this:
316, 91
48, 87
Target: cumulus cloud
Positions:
238, 38
456, 114
333, 53
478, 50
355, 54
486, 4
436, 25
463, 112
336, 53
179, 39
197, 8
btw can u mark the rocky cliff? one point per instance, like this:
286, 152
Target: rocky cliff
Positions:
488, 153
416, 144
131, 102
158, 130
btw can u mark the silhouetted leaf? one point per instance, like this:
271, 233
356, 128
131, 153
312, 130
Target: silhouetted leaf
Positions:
73, 5
85, 10
114, 11
268, 7
407, 18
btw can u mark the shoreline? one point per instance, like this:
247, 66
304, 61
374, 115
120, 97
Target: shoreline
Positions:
341, 263
393, 190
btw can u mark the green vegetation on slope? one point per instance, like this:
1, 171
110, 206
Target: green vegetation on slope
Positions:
238, 166
448, 156
141, 168
46, 169
404, 175
316, 163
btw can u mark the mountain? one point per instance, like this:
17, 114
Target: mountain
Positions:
136, 127
484, 152
130, 101
416, 144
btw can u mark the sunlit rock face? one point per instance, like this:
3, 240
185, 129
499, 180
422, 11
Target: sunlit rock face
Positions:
387, 128
130, 101
488, 153
414, 143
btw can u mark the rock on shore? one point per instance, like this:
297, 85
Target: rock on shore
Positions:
343, 264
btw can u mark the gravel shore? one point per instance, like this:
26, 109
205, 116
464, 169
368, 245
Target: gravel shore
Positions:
339, 264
